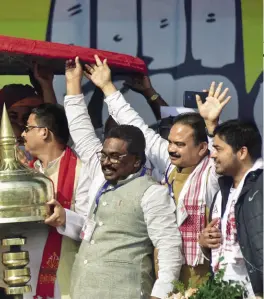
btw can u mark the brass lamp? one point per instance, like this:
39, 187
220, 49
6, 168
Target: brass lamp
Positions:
23, 196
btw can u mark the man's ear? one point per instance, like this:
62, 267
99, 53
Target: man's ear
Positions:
45, 133
137, 163
203, 149
242, 154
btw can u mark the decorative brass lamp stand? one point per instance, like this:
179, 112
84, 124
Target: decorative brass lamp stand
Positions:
16, 275
23, 196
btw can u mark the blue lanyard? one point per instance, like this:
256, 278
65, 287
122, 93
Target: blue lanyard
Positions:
103, 189
170, 186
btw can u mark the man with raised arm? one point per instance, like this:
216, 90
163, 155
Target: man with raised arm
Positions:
184, 160
128, 212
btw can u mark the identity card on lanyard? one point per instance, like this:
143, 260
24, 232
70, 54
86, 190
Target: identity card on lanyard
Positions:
170, 185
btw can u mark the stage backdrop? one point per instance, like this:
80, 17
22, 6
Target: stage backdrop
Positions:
186, 44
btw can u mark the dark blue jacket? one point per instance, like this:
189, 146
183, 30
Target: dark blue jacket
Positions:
249, 223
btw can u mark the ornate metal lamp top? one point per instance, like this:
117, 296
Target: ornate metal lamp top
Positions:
23, 191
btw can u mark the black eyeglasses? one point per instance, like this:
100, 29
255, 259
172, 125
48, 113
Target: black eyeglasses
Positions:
29, 128
114, 159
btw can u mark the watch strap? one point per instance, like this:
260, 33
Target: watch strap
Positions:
154, 97
208, 134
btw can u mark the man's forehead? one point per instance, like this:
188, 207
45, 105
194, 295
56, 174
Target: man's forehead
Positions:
180, 132
115, 145
20, 110
32, 119
218, 141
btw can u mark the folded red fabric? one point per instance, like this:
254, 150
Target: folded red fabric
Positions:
17, 55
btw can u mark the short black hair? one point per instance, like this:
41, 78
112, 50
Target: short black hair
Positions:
196, 122
54, 118
109, 124
238, 133
134, 138
164, 126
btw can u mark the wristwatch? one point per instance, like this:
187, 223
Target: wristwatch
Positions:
154, 97
208, 134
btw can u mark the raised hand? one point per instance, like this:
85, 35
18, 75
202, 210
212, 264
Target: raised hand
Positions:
73, 70
139, 83
98, 73
211, 109
43, 75
42, 80
73, 75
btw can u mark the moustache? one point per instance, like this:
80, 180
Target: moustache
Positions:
108, 168
20, 139
174, 155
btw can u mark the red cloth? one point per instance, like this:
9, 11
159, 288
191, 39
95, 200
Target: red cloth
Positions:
58, 53
31, 163
52, 250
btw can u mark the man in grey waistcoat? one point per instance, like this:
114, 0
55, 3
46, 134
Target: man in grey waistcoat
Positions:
128, 212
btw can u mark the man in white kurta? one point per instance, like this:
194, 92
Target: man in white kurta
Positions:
184, 160
156, 208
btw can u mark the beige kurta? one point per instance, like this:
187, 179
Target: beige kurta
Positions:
69, 247
36, 235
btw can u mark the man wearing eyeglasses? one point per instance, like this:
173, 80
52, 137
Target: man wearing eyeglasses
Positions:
51, 256
128, 212
184, 160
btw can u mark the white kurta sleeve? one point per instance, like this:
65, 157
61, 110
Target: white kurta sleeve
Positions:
160, 217
86, 143
156, 146
73, 225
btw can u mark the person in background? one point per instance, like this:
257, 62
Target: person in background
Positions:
141, 84
189, 172
138, 83
21, 99
95, 108
127, 212
41, 78
164, 126
234, 236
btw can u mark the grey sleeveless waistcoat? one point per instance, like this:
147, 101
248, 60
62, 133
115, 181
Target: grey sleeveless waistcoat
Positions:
117, 262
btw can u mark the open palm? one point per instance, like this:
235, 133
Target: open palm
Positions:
211, 109
99, 73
